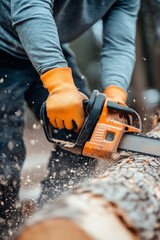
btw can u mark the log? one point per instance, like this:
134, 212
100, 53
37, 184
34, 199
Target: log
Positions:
121, 204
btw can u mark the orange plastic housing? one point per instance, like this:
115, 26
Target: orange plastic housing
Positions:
106, 136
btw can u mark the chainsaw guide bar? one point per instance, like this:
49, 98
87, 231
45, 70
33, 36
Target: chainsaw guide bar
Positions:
140, 144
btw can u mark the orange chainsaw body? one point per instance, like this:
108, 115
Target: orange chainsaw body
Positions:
107, 134
105, 124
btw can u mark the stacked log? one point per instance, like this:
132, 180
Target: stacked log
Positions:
121, 204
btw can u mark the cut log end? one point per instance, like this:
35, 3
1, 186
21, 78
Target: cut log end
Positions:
84, 218
58, 229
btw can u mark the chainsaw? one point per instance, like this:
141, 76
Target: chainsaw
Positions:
109, 127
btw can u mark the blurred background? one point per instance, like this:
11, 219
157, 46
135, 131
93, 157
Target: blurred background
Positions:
144, 91
143, 94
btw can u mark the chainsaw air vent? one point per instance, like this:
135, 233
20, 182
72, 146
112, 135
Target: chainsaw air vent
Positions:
110, 136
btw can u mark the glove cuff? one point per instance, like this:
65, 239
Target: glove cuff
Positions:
116, 93
57, 76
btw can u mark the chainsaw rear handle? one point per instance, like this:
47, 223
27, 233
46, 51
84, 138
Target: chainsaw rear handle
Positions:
95, 103
47, 126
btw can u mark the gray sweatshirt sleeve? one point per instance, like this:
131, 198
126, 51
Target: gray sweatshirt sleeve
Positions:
37, 31
118, 50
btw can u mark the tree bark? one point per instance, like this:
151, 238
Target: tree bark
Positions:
123, 203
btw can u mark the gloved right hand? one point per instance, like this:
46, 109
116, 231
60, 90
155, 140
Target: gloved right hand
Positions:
116, 94
64, 104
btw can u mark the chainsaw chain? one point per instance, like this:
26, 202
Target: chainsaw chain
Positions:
144, 136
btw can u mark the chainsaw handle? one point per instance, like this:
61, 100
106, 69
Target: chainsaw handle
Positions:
126, 110
47, 126
95, 103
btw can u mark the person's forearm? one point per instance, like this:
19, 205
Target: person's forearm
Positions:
118, 51
36, 28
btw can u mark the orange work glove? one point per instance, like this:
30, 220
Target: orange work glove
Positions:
64, 104
116, 94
